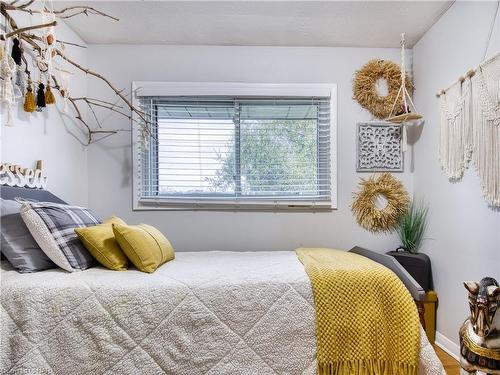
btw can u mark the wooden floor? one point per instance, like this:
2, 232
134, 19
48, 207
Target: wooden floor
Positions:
450, 364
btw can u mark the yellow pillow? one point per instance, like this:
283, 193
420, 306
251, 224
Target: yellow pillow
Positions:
114, 220
145, 246
100, 241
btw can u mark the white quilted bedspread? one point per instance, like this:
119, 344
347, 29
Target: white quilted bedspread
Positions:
204, 313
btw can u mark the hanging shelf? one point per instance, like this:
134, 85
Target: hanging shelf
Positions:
409, 110
409, 116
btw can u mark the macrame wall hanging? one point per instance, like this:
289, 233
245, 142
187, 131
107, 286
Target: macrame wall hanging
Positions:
455, 146
470, 125
486, 128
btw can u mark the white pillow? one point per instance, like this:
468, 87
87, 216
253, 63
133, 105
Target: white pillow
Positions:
44, 239
53, 226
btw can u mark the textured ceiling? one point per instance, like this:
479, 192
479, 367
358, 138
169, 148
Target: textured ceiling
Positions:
263, 23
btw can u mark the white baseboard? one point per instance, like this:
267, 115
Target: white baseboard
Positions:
447, 345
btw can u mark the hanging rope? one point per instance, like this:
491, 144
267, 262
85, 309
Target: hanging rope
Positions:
491, 30
403, 70
403, 94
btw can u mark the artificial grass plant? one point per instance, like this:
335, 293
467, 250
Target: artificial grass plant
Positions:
412, 226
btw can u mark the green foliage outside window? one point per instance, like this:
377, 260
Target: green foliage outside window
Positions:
276, 156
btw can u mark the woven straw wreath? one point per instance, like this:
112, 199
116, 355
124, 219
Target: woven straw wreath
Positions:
365, 91
364, 209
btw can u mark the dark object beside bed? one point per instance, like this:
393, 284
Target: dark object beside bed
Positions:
411, 284
390, 262
417, 265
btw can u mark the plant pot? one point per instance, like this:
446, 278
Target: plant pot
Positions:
418, 266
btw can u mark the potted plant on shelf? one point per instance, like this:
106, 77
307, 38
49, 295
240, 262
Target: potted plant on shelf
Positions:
411, 229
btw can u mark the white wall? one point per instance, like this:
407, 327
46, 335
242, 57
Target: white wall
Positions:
110, 160
465, 233
51, 136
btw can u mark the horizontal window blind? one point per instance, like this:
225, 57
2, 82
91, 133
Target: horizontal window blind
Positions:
207, 151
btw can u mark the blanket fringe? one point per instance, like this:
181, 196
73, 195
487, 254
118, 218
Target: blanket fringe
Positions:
367, 367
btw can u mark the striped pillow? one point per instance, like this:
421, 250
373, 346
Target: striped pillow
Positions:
53, 226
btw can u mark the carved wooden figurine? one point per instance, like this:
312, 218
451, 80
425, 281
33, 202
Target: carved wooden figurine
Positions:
480, 333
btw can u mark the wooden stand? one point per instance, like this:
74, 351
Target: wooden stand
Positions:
430, 304
421, 312
427, 314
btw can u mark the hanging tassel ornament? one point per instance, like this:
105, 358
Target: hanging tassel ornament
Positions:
17, 54
8, 99
50, 52
40, 98
29, 99
65, 95
17, 51
50, 37
20, 82
64, 80
7, 94
49, 96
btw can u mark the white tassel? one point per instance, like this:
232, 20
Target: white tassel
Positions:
20, 82
7, 94
8, 99
404, 136
8, 120
64, 78
65, 106
498, 91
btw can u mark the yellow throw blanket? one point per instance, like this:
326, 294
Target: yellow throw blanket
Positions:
366, 320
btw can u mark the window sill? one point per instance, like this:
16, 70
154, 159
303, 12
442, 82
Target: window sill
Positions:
168, 205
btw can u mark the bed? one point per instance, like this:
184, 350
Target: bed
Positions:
207, 312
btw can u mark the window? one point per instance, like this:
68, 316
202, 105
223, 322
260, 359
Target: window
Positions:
236, 152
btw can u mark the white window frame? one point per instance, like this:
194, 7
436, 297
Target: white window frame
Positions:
149, 88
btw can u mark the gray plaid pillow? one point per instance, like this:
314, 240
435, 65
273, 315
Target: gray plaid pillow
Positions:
53, 226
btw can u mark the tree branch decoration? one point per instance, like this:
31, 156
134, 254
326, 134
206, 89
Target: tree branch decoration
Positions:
39, 43
365, 210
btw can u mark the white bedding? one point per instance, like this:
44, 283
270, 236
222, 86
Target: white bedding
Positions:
204, 313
